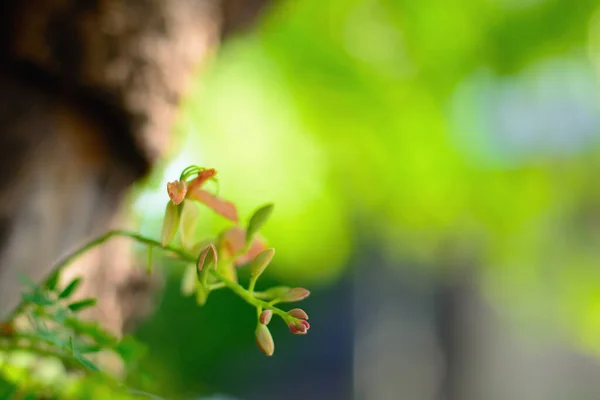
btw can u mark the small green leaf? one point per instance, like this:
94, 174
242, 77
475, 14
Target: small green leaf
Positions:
188, 223
84, 361
60, 315
170, 223
50, 336
258, 219
53, 280
38, 298
261, 261
89, 348
80, 305
71, 287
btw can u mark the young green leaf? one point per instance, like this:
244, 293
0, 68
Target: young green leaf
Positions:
60, 315
261, 262
83, 304
258, 219
71, 287
90, 348
170, 223
84, 361
53, 280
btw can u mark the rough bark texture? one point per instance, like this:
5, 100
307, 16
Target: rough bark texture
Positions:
90, 88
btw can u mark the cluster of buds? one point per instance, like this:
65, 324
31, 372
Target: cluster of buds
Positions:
232, 249
297, 323
296, 319
300, 326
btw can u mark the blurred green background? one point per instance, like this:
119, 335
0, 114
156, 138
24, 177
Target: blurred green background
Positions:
448, 136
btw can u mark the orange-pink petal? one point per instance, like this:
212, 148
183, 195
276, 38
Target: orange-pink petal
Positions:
233, 241
220, 206
256, 247
202, 178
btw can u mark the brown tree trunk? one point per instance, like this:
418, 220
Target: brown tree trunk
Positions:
89, 92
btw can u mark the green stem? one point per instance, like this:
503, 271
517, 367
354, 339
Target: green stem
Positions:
248, 297
252, 284
251, 298
216, 286
61, 264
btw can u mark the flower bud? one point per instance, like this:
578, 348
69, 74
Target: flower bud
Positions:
264, 340
276, 292
207, 257
295, 294
298, 313
261, 262
177, 191
299, 327
265, 317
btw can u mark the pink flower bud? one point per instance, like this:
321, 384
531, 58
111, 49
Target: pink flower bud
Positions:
265, 317
299, 327
295, 294
264, 340
177, 191
298, 313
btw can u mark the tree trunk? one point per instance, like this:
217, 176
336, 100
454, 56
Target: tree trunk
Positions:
90, 89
